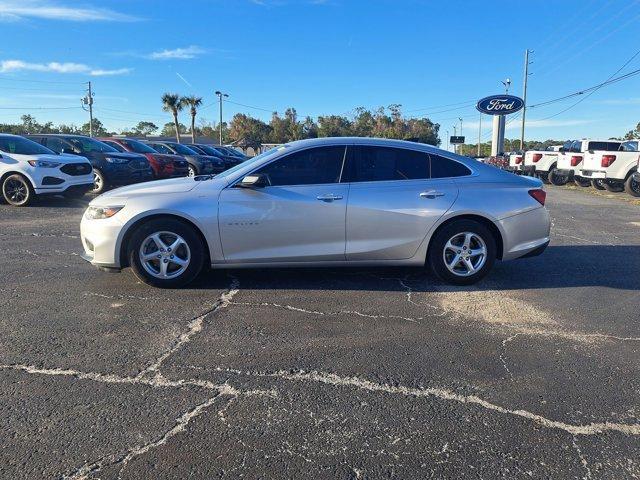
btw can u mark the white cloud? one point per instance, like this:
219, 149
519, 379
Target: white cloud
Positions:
7, 66
12, 10
191, 51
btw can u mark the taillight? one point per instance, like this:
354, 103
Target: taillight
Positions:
607, 160
539, 194
518, 160
575, 161
537, 157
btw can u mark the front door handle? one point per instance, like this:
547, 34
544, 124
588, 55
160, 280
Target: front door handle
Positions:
330, 197
432, 194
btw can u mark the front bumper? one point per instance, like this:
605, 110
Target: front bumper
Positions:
124, 175
53, 183
100, 241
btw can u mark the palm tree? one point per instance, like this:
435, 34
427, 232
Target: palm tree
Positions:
171, 103
193, 102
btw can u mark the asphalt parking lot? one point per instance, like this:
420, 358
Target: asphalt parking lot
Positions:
533, 373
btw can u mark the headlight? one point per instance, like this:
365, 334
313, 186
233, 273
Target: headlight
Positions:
98, 213
43, 164
116, 160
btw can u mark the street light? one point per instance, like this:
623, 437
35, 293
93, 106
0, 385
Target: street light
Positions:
507, 84
460, 118
220, 96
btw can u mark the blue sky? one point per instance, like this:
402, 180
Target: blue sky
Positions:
321, 57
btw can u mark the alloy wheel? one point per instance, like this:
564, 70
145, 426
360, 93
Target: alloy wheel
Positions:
164, 255
465, 254
97, 182
16, 191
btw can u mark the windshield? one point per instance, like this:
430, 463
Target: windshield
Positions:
86, 144
209, 150
252, 161
232, 151
181, 149
138, 147
115, 145
22, 146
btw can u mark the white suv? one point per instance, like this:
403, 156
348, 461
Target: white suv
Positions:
543, 164
572, 155
614, 167
28, 169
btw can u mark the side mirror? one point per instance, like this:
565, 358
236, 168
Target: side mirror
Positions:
257, 180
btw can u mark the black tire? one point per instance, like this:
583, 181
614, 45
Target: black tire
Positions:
17, 190
544, 177
582, 182
632, 187
99, 182
556, 179
168, 227
614, 187
598, 184
436, 255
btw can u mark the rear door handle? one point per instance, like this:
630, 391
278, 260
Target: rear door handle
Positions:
329, 197
432, 194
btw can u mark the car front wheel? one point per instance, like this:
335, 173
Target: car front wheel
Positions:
17, 190
99, 182
192, 171
166, 253
462, 252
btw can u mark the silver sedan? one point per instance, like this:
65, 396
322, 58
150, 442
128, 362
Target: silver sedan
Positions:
322, 202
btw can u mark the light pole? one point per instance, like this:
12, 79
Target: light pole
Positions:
455, 134
460, 118
447, 140
524, 95
220, 96
88, 100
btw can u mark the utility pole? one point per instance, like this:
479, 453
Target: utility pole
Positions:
479, 133
460, 118
88, 100
447, 140
220, 96
524, 95
455, 134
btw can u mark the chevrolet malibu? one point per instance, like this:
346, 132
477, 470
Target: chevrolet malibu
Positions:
322, 202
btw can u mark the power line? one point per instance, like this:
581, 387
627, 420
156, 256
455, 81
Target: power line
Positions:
595, 89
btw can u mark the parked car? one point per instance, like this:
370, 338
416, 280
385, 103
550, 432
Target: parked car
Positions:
163, 166
614, 167
515, 162
110, 167
571, 156
29, 170
233, 151
229, 160
198, 164
544, 165
323, 202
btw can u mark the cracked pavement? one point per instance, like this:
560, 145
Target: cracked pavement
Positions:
330, 373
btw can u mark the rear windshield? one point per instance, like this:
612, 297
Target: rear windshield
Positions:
606, 146
22, 146
138, 147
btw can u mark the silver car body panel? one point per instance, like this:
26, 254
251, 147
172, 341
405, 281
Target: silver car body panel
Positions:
368, 223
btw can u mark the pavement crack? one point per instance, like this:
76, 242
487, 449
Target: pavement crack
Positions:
122, 459
193, 328
583, 460
326, 314
449, 395
503, 353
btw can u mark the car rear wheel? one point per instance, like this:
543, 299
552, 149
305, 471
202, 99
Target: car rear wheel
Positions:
99, 182
598, 184
632, 186
462, 252
17, 190
166, 253
544, 177
557, 179
582, 182
614, 187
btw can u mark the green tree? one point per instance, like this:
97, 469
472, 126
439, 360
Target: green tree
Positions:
333, 126
249, 131
144, 129
97, 129
171, 103
278, 128
309, 128
633, 134
193, 103
169, 129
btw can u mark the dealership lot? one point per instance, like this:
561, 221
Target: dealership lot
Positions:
355, 373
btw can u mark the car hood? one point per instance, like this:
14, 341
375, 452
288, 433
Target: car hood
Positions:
157, 187
62, 158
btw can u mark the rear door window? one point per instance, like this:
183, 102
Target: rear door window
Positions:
379, 164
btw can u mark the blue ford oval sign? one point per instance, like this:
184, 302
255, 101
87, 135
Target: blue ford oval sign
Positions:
500, 104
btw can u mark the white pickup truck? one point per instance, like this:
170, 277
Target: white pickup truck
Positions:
615, 168
572, 154
543, 164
